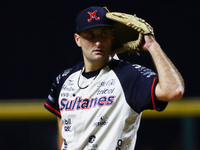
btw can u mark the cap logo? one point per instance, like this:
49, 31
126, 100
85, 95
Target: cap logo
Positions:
93, 16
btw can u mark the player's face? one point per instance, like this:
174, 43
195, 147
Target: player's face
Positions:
96, 43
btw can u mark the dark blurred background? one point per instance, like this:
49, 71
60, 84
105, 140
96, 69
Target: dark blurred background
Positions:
37, 43
37, 40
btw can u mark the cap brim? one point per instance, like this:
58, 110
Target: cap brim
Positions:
93, 26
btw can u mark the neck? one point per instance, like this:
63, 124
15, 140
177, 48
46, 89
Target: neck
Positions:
95, 65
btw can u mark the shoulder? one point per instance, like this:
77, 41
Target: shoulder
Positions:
67, 72
127, 67
118, 63
73, 69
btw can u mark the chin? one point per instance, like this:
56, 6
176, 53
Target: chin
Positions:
100, 57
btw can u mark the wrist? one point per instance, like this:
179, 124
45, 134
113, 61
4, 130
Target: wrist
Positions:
153, 46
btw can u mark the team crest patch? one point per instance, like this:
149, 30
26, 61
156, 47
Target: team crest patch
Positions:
91, 145
93, 16
102, 121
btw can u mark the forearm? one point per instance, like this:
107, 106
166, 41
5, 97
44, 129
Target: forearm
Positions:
59, 138
171, 85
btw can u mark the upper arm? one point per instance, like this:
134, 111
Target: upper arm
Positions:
60, 138
167, 94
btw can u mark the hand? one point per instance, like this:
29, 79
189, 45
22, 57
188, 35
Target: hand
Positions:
148, 41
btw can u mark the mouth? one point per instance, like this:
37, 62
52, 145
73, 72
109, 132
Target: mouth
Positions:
98, 51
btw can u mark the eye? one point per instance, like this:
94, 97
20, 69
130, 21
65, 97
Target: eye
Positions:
104, 34
90, 36
87, 34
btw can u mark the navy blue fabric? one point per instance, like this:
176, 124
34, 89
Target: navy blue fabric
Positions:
92, 17
137, 84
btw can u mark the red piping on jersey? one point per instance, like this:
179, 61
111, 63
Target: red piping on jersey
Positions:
152, 97
52, 108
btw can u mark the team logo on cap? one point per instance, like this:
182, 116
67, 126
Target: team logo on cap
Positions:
93, 16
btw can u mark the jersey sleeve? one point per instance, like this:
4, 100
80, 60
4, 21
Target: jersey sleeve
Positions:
143, 95
146, 98
139, 85
51, 103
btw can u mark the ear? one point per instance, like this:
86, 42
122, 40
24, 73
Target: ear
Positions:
77, 39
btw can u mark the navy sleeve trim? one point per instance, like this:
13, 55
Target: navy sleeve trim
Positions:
153, 96
157, 105
52, 110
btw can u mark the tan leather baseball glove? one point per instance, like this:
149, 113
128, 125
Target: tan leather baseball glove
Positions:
128, 31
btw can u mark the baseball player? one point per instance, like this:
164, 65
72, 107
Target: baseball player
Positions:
99, 102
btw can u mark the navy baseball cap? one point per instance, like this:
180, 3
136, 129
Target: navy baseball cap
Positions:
93, 16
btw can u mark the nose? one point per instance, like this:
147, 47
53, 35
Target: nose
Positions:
98, 43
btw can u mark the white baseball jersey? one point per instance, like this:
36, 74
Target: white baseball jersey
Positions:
101, 110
